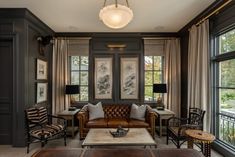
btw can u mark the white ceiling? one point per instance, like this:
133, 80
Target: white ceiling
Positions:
82, 15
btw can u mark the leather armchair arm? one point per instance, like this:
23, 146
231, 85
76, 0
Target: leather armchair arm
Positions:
83, 117
150, 119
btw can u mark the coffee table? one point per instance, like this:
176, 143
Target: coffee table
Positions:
102, 137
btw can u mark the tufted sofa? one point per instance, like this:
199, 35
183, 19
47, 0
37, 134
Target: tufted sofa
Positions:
115, 115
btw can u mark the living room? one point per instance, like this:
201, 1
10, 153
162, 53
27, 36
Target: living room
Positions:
164, 58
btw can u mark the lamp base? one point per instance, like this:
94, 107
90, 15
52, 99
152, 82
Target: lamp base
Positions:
160, 105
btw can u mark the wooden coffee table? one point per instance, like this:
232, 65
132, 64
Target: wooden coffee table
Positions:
102, 137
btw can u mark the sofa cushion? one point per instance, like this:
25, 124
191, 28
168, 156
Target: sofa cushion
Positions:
97, 123
138, 112
134, 123
114, 123
95, 111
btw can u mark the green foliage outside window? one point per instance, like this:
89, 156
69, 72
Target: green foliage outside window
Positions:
226, 89
79, 76
153, 74
227, 42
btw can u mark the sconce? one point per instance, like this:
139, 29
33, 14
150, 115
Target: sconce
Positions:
43, 42
116, 46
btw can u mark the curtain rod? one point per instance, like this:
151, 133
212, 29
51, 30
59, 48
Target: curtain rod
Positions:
73, 38
214, 12
159, 38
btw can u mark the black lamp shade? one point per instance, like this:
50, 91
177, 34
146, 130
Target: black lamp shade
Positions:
159, 88
72, 89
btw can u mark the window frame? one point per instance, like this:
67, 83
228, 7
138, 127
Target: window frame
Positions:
79, 71
154, 97
216, 59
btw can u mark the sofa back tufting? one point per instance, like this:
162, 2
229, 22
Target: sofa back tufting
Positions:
117, 111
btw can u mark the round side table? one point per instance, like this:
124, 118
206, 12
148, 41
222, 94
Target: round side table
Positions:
200, 136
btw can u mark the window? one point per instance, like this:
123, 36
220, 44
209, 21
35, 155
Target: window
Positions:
227, 42
224, 91
79, 76
153, 74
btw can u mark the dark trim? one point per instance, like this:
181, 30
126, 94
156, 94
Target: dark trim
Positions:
223, 57
223, 149
206, 12
26, 14
120, 34
16, 81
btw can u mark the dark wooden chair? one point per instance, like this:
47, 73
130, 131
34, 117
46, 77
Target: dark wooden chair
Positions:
40, 129
176, 126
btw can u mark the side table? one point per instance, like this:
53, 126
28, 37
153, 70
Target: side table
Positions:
163, 115
69, 115
200, 136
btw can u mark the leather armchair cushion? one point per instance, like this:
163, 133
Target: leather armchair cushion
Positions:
114, 123
133, 123
97, 123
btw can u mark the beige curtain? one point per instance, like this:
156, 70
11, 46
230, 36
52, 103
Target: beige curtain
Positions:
198, 70
173, 75
59, 77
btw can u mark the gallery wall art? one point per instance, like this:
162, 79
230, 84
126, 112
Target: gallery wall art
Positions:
129, 76
41, 70
103, 72
41, 92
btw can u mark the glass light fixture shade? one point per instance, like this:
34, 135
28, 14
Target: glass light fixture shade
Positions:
116, 17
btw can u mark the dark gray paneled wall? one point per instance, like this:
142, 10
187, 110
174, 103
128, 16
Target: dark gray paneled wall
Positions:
22, 27
99, 49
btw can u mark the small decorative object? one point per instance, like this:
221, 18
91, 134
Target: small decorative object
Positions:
41, 92
43, 42
129, 78
159, 88
41, 69
120, 132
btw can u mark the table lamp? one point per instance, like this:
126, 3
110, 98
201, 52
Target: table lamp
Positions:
72, 89
159, 88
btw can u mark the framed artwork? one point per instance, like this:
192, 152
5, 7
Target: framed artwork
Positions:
129, 76
41, 70
103, 78
41, 92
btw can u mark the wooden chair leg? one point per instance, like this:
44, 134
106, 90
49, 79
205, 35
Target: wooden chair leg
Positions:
65, 144
27, 147
178, 144
167, 137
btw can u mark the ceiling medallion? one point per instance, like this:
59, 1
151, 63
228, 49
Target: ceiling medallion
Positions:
116, 16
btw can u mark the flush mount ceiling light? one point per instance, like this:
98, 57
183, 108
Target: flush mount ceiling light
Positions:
116, 16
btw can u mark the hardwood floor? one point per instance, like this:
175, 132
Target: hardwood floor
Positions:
9, 151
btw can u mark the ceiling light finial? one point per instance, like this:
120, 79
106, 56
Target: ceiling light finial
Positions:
116, 16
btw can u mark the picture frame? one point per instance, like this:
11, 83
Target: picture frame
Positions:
129, 76
103, 75
41, 70
41, 92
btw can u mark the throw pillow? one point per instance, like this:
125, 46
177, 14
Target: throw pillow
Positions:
95, 111
138, 112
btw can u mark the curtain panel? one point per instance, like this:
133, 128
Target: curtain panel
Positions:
173, 75
198, 70
59, 76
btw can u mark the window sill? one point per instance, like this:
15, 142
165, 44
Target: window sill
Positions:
223, 149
